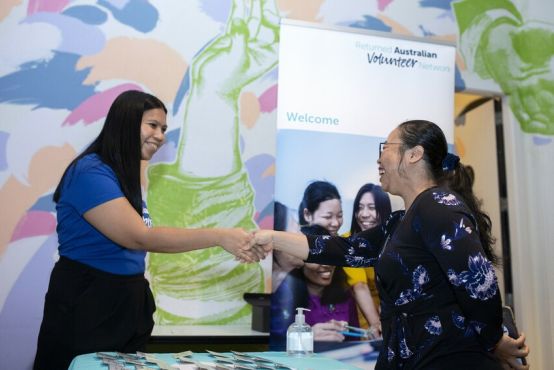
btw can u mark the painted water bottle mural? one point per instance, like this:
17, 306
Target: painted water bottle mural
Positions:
206, 287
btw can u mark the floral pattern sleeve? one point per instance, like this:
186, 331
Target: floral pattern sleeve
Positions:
450, 234
359, 250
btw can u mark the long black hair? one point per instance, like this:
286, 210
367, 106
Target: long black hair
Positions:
382, 205
460, 180
316, 193
118, 144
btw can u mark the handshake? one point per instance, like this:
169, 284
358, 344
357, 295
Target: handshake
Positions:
247, 247
255, 246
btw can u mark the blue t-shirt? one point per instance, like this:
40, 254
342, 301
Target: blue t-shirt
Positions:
89, 183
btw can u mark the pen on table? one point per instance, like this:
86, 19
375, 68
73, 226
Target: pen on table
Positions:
353, 334
354, 328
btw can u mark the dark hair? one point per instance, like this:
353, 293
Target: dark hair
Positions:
382, 205
460, 180
279, 216
338, 291
316, 193
118, 144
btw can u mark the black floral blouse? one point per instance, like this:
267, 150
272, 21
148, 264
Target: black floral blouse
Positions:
439, 293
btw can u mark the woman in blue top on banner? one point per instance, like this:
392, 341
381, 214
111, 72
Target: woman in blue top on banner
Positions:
98, 298
440, 302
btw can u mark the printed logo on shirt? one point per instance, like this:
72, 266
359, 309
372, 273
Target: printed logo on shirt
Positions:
146, 216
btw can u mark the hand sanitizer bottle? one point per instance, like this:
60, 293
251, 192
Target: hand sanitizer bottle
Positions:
300, 337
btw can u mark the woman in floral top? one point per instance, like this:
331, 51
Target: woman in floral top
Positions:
440, 302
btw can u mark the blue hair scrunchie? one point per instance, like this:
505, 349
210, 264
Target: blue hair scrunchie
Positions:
450, 162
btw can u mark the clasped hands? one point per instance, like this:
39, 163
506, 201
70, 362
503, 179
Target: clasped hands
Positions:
248, 247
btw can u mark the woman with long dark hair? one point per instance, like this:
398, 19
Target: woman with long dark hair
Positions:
98, 298
371, 209
440, 302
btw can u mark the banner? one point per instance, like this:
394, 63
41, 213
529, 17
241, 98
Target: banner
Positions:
341, 92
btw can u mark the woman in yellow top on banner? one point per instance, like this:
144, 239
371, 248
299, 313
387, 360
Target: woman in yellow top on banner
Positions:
371, 208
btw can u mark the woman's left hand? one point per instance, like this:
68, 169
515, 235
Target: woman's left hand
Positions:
509, 351
375, 330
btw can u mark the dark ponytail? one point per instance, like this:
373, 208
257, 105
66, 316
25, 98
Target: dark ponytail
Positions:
455, 176
460, 180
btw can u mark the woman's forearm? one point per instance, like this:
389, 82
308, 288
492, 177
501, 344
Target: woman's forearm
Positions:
363, 297
290, 243
174, 240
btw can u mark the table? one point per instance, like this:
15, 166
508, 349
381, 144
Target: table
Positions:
315, 362
208, 334
206, 330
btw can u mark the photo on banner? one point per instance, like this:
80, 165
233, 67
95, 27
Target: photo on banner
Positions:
341, 92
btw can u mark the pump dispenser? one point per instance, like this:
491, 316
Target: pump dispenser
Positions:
300, 337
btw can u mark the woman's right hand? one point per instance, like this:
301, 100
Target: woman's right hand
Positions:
329, 331
241, 244
264, 239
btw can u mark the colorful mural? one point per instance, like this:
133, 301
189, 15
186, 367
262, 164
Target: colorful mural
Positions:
499, 43
214, 63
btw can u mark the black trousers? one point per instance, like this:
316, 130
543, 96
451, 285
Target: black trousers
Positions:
87, 310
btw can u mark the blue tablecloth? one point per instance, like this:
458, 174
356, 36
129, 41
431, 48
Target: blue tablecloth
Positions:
315, 362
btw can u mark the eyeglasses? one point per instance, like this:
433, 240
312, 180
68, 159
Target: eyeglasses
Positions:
382, 146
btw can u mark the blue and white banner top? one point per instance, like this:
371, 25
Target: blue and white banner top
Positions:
358, 82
